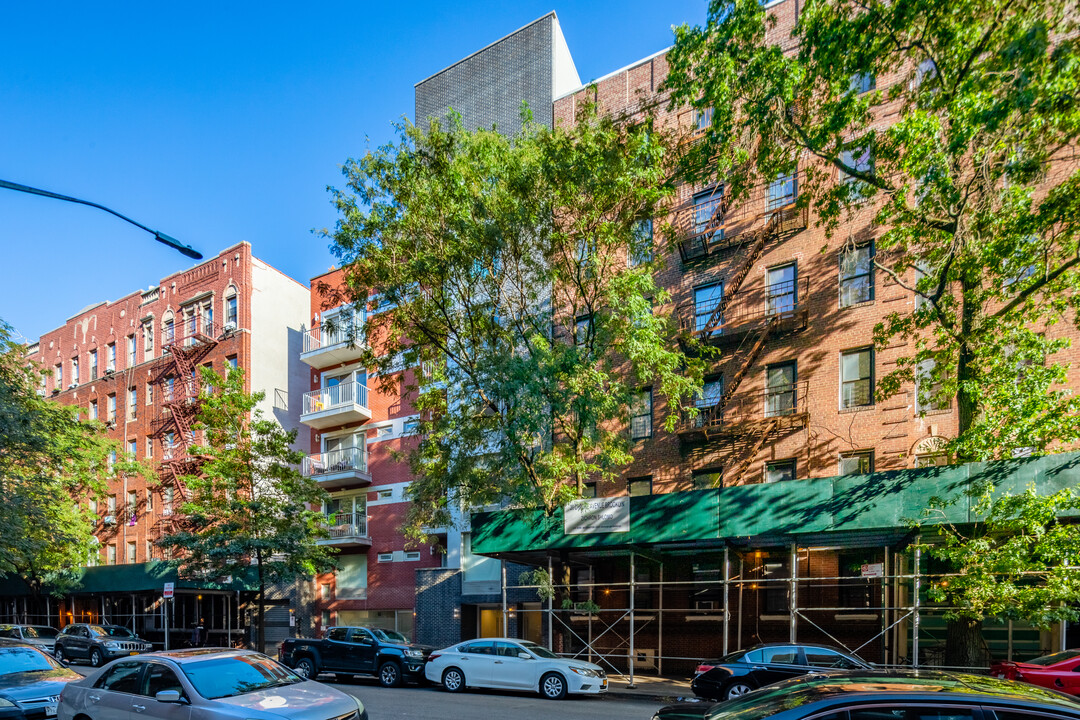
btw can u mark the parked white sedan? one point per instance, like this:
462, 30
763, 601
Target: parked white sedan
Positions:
509, 664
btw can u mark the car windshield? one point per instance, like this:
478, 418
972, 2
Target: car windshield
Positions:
25, 659
1055, 658
111, 631
39, 631
237, 675
539, 650
389, 635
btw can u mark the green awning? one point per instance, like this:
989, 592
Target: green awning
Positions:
844, 507
140, 577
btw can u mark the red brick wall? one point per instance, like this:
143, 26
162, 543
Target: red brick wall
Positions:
113, 322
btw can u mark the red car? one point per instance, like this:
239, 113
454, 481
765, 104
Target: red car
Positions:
1060, 671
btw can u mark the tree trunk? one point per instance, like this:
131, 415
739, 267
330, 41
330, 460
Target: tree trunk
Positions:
261, 642
964, 644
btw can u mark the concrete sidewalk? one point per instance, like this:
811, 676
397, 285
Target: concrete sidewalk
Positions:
650, 687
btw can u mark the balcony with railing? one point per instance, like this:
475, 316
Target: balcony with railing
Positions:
338, 468
346, 530
337, 340
713, 221
784, 304
335, 405
776, 409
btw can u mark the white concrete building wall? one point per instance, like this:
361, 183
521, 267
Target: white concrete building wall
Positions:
279, 310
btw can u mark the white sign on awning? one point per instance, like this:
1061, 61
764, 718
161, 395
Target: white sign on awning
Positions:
597, 515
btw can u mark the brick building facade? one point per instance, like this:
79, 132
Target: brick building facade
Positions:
132, 364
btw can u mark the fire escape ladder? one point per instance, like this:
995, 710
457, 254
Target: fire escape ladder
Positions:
755, 251
766, 430
737, 378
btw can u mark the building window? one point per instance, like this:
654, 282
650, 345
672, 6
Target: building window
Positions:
703, 118
937, 459
149, 500
324, 591
862, 162
133, 398
149, 446
412, 556
781, 289
410, 427
857, 275
860, 462
93, 365
637, 487
111, 554
133, 448
928, 388
857, 378
582, 330
783, 191
386, 494
149, 551
58, 376
110, 505
110, 413
780, 470
780, 384
74, 371
110, 357
132, 503
148, 338
386, 557
863, 83
588, 490
93, 410
707, 299
149, 394
641, 244
131, 552
231, 362
641, 414
167, 501
708, 478
110, 462
131, 350
169, 334
232, 310
709, 214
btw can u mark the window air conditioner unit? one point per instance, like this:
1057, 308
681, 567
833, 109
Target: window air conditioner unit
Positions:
230, 326
72, 386
110, 371
110, 520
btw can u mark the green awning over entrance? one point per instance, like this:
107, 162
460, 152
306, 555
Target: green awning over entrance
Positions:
845, 506
140, 577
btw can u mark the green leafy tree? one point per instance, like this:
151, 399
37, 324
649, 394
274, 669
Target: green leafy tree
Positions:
247, 512
518, 273
947, 132
49, 460
1018, 563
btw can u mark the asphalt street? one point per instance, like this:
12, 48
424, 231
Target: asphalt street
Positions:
420, 703
423, 703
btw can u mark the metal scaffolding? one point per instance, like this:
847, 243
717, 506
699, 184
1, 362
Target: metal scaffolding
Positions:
706, 603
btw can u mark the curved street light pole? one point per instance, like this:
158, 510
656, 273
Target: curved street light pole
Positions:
159, 236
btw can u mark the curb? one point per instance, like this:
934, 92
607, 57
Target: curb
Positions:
667, 698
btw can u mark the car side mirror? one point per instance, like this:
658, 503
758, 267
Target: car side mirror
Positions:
524, 656
170, 696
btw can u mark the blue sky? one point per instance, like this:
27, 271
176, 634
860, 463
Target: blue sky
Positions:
221, 122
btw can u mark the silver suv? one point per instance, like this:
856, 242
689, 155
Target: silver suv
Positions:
98, 643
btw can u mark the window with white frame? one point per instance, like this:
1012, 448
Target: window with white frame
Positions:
783, 191
859, 462
132, 400
131, 351
93, 410
75, 371
857, 275
641, 414
641, 244
110, 357
232, 308
110, 408
93, 365
857, 378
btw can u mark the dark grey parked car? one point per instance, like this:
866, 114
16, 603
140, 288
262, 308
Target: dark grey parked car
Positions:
98, 643
204, 684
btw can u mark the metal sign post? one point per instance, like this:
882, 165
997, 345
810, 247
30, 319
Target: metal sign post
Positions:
166, 595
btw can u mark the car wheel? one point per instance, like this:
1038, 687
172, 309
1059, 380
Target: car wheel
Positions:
58, 653
305, 668
389, 674
96, 658
453, 680
553, 686
736, 689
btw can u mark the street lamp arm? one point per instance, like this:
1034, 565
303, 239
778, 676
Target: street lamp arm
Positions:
159, 236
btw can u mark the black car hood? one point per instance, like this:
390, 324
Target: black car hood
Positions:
685, 711
38, 683
426, 649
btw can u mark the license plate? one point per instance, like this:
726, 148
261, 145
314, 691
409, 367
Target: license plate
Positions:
50, 711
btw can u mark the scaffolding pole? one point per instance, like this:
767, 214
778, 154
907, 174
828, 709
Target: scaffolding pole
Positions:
550, 600
633, 579
793, 599
915, 606
727, 607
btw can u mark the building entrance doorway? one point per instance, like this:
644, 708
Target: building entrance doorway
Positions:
491, 623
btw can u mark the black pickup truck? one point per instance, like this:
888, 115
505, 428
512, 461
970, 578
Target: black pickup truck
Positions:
348, 651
